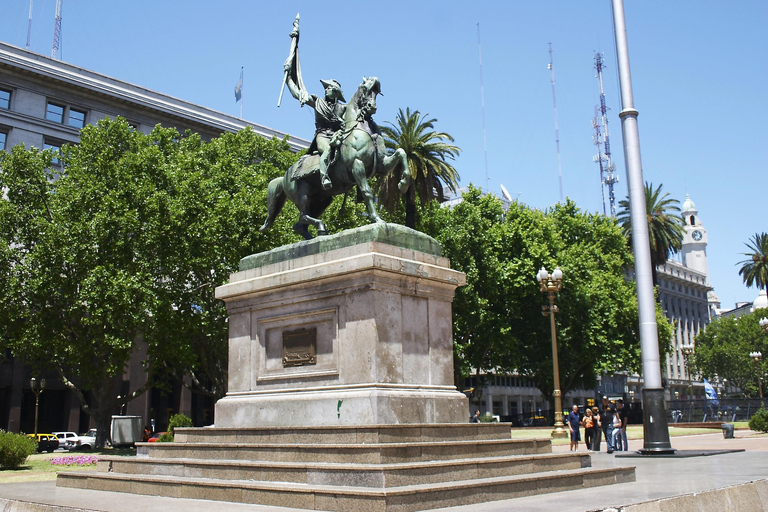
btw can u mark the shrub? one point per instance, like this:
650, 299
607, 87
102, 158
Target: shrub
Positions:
166, 437
14, 449
179, 420
759, 421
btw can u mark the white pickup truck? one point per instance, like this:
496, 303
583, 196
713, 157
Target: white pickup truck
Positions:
82, 442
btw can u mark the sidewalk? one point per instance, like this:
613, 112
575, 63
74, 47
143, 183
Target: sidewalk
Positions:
657, 478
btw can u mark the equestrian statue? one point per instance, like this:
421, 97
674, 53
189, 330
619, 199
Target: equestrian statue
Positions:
346, 151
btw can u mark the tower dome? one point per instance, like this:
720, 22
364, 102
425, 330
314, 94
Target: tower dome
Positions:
760, 302
688, 206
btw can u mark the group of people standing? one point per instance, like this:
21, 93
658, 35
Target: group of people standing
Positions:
610, 422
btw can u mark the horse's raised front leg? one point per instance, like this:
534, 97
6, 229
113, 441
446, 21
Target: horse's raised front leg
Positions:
361, 180
399, 158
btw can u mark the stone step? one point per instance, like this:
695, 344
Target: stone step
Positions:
408, 498
364, 453
364, 475
403, 433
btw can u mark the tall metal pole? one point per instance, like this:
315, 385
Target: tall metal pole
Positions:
557, 134
655, 428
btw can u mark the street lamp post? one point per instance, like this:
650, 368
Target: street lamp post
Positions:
550, 284
756, 357
36, 388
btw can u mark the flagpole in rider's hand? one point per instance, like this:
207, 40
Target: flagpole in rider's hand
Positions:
291, 56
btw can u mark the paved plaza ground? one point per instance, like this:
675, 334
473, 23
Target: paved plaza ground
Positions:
657, 478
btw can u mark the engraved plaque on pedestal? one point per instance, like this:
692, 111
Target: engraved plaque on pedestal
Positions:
299, 347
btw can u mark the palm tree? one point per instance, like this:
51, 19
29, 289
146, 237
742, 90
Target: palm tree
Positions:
427, 151
665, 225
754, 270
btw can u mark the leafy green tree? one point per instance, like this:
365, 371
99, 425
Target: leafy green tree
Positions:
124, 250
665, 225
498, 323
754, 270
724, 348
428, 152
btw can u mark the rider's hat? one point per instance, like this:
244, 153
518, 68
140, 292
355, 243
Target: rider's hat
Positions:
335, 84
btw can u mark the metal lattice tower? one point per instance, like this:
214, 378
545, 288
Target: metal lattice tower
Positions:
557, 135
55, 54
608, 177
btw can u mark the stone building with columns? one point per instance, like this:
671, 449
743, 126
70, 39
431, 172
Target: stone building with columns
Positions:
44, 103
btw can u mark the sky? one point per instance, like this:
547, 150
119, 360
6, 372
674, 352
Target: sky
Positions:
699, 70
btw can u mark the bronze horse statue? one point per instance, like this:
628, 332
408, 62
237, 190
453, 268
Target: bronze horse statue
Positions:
361, 155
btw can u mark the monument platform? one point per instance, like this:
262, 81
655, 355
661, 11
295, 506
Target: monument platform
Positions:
341, 394
377, 468
350, 329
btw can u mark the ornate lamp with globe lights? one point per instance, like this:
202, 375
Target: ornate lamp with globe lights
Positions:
756, 357
551, 284
37, 388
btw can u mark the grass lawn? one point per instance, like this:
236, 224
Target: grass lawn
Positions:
38, 466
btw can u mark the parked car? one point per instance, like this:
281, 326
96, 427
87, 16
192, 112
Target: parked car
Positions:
64, 437
154, 437
82, 442
45, 442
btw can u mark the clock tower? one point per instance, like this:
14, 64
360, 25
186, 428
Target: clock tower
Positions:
694, 250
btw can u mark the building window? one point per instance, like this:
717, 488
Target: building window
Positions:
5, 99
3, 137
54, 112
76, 118
55, 147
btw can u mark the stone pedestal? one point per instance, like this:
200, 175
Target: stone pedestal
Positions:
350, 329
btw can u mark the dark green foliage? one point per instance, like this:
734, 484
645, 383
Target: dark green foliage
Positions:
14, 449
665, 225
428, 155
124, 251
759, 421
754, 270
179, 420
498, 323
723, 349
166, 437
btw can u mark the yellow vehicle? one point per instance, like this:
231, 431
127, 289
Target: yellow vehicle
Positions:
45, 442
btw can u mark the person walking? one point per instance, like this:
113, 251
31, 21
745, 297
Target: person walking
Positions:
475, 418
624, 417
589, 430
597, 429
616, 431
574, 421
606, 419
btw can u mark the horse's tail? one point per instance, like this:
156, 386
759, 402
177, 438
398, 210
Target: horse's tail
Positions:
275, 202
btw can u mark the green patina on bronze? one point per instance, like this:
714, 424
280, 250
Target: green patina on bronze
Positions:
392, 234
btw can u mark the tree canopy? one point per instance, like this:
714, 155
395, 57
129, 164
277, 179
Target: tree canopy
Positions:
428, 154
498, 322
754, 270
125, 247
665, 225
724, 348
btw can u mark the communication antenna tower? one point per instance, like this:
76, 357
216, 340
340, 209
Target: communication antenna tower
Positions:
607, 167
482, 107
55, 54
600, 156
29, 24
557, 136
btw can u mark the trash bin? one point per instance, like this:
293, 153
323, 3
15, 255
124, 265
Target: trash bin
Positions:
727, 430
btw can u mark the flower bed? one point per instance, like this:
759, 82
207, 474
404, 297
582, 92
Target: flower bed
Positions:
75, 460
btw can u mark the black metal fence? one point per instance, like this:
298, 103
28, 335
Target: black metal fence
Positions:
724, 409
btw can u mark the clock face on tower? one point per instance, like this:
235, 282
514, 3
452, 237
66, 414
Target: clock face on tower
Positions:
696, 235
